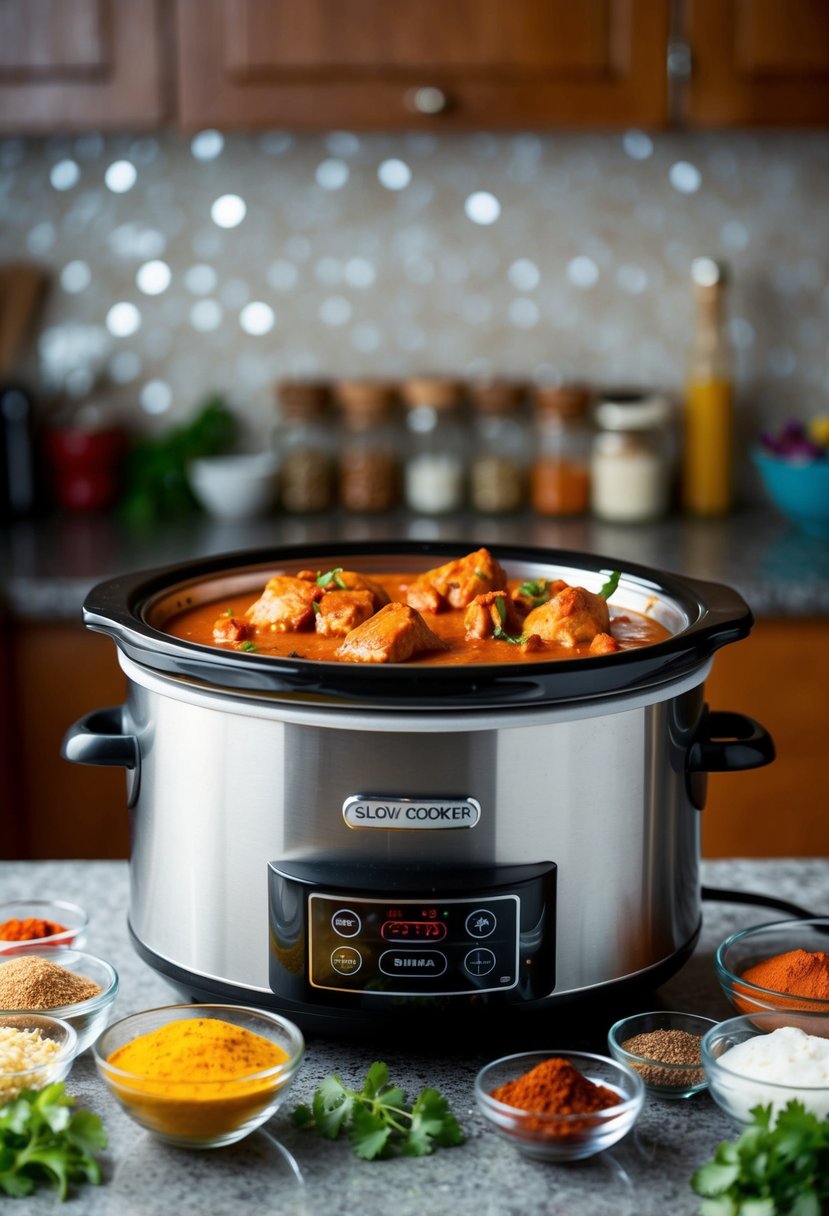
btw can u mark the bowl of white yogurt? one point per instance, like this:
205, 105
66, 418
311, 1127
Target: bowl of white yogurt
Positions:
768, 1059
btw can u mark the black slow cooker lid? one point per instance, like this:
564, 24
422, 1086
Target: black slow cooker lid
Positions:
702, 617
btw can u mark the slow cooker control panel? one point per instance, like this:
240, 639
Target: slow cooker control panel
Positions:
455, 935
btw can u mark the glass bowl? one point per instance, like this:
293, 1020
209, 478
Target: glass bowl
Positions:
663, 1077
737, 1092
742, 950
74, 919
203, 1113
561, 1137
13, 1078
87, 1018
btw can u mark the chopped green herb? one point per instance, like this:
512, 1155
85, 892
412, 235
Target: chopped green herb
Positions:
248, 646
228, 612
779, 1170
610, 586
536, 591
332, 576
378, 1119
481, 574
499, 631
316, 606
43, 1141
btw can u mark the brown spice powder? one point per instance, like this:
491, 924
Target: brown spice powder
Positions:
668, 1047
37, 983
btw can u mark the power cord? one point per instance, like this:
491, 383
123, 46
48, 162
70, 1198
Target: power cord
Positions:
720, 895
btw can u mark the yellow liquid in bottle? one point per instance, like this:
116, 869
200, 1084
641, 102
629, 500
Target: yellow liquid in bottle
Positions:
708, 447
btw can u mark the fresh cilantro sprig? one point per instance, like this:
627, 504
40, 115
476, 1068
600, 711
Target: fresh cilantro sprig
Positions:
378, 1119
537, 591
607, 589
779, 1169
499, 631
332, 576
43, 1140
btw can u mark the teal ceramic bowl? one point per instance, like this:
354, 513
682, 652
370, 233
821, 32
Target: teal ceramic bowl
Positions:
799, 489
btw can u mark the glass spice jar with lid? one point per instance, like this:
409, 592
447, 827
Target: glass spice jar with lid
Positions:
435, 460
305, 443
631, 457
560, 471
369, 458
500, 447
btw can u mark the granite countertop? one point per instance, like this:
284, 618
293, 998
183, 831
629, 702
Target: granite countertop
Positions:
281, 1169
48, 565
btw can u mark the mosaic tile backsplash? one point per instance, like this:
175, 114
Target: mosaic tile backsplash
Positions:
182, 266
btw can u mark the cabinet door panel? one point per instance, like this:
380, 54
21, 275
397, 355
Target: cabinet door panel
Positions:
69, 65
498, 63
759, 62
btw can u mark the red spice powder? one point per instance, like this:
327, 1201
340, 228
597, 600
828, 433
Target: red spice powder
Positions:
28, 929
556, 1087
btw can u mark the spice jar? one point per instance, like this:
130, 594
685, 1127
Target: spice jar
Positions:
500, 448
305, 443
369, 461
630, 468
435, 459
560, 473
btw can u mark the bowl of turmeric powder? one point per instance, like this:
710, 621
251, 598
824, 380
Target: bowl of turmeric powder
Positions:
559, 1105
200, 1076
41, 922
781, 965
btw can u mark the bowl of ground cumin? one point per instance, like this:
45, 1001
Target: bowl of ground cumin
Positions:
559, 1105
68, 984
663, 1046
780, 965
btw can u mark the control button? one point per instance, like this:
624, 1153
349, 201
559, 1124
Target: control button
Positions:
346, 923
413, 962
346, 960
479, 961
480, 923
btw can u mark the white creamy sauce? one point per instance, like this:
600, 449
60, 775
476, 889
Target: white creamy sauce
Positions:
795, 1062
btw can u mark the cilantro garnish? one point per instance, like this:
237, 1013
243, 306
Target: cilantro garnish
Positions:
43, 1141
248, 646
537, 591
610, 586
378, 1119
332, 576
499, 631
779, 1170
228, 612
482, 575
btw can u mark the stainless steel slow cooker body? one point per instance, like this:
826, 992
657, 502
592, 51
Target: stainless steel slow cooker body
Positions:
278, 804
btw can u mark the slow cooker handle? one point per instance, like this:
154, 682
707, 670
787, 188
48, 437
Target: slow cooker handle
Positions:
99, 738
725, 742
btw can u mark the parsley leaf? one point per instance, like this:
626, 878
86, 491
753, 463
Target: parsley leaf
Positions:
377, 1118
332, 576
610, 586
43, 1140
779, 1169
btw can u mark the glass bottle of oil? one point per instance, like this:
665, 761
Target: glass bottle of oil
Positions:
709, 399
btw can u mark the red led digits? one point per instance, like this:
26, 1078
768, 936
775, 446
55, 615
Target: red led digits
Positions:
413, 930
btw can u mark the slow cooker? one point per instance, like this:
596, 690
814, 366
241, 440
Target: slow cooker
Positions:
351, 842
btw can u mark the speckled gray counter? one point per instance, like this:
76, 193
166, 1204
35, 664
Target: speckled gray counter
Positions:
282, 1170
47, 566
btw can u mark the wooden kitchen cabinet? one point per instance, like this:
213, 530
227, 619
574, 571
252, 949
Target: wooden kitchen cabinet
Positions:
428, 64
75, 65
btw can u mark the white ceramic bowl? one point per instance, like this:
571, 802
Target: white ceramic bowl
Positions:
239, 485
57, 911
561, 1137
201, 1114
87, 1018
13, 1080
736, 1090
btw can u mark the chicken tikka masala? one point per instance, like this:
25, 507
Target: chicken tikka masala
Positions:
466, 611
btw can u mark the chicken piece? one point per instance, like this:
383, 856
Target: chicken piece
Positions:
572, 616
286, 605
604, 643
394, 634
347, 580
231, 629
532, 594
338, 612
490, 612
456, 584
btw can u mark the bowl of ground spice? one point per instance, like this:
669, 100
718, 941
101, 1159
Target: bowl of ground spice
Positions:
64, 983
35, 1050
200, 1076
664, 1048
559, 1105
42, 922
781, 965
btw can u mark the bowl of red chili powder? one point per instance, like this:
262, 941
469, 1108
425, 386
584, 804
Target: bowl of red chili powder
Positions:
781, 965
559, 1105
41, 922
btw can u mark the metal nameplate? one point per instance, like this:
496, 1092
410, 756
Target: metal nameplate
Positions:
418, 814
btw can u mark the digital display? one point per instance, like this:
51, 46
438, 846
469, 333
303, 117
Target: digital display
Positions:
413, 930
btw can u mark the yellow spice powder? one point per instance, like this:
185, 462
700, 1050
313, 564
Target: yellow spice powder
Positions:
187, 1076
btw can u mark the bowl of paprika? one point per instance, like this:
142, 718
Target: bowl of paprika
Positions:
781, 965
41, 922
559, 1105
